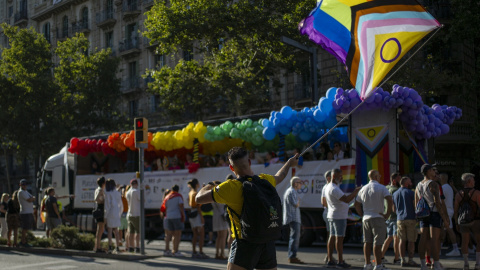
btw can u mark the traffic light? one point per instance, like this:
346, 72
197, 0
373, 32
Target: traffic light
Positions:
141, 130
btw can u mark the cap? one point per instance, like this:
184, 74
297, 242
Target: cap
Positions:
23, 182
133, 181
426, 167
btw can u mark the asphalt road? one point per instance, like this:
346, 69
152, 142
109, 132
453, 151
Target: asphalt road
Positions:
313, 256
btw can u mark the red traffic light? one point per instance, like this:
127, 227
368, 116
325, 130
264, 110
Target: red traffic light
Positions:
139, 123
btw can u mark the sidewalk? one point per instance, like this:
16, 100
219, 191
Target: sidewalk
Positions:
312, 256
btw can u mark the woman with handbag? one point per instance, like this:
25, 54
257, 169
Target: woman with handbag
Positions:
98, 213
220, 225
196, 221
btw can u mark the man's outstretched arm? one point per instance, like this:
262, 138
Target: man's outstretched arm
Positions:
282, 173
205, 194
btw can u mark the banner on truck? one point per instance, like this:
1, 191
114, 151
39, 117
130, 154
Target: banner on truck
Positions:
155, 183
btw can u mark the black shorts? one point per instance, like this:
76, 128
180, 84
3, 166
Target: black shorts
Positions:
250, 256
208, 223
435, 221
26, 221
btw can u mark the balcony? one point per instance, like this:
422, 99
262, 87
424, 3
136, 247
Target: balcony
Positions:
148, 80
460, 132
131, 84
148, 45
106, 19
21, 18
129, 47
148, 3
63, 34
81, 27
131, 9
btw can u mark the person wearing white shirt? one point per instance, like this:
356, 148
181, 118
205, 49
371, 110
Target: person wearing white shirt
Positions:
337, 203
337, 151
371, 197
133, 215
331, 240
449, 195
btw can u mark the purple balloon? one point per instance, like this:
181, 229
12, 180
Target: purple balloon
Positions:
408, 102
353, 93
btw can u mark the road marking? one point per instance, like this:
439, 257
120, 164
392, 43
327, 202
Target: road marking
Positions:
36, 265
202, 265
61, 267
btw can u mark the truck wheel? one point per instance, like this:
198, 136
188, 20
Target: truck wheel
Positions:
307, 234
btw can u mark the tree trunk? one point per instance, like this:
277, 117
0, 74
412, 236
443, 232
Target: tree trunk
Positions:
9, 186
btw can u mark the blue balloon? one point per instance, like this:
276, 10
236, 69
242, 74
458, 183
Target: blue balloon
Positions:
305, 136
331, 93
265, 123
286, 112
284, 130
326, 105
269, 133
330, 122
319, 116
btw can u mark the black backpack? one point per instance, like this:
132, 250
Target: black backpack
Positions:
467, 210
261, 217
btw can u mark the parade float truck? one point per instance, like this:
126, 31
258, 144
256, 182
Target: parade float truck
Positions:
73, 174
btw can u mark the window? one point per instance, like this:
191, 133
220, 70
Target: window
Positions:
187, 55
154, 103
46, 31
133, 108
132, 75
65, 27
23, 6
10, 11
159, 61
221, 44
85, 17
131, 31
109, 39
109, 9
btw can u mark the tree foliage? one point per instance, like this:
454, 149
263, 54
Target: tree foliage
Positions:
237, 45
44, 105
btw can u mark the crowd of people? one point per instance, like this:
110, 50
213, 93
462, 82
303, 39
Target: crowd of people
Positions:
390, 214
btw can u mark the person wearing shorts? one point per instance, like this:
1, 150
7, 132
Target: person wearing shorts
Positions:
430, 230
403, 202
243, 253
337, 203
370, 206
26, 211
330, 240
175, 218
392, 222
472, 196
133, 216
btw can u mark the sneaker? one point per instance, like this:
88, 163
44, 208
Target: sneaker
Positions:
368, 267
195, 255
178, 254
397, 261
203, 256
453, 253
438, 266
137, 250
410, 264
331, 264
209, 243
116, 250
384, 260
380, 267
343, 265
167, 253
295, 260
471, 251
131, 250
27, 245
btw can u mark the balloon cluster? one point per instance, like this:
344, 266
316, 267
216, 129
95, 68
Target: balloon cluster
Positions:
211, 148
84, 147
306, 124
247, 130
424, 122
175, 139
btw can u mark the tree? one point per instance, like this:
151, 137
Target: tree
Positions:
88, 86
238, 47
44, 106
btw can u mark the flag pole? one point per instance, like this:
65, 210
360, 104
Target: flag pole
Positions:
371, 92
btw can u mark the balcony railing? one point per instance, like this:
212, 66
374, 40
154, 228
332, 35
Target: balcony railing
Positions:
80, 26
148, 3
20, 16
63, 33
131, 6
129, 44
130, 84
105, 17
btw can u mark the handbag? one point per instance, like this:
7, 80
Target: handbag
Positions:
97, 213
192, 214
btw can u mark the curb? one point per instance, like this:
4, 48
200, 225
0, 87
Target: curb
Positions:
69, 252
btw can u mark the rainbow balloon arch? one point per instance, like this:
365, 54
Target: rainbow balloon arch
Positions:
295, 128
